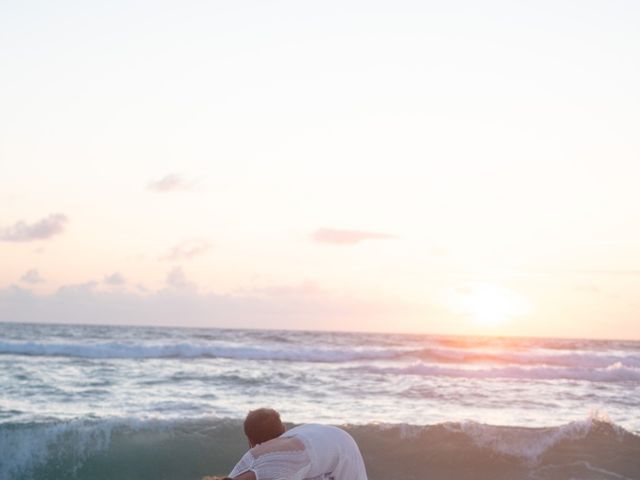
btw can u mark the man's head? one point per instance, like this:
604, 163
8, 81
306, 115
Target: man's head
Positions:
262, 425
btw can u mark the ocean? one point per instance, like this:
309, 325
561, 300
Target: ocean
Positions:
107, 402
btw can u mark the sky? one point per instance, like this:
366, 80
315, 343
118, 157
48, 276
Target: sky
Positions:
452, 167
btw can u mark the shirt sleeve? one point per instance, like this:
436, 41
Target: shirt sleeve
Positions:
245, 464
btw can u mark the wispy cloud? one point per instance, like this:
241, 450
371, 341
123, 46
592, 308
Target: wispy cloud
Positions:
346, 237
306, 288
176, 279
32, 276
77, 288
114, 279
26, 232
170, 183
187, 250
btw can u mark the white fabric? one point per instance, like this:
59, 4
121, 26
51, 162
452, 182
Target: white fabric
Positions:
307, 452
280, 458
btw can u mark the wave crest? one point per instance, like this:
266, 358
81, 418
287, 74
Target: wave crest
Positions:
189, 350
115, 448
612, 373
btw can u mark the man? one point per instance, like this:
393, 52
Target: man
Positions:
317, 452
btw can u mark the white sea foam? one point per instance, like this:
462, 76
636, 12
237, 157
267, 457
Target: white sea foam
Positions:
530, 443
614, 366
188, 350
328, 377
535, 357
612, 373
525, 443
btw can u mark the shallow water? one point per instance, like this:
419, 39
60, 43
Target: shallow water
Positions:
134, 402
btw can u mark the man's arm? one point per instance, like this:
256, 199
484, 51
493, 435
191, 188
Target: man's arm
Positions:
248, 475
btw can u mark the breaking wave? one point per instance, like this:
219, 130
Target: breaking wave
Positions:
189, 449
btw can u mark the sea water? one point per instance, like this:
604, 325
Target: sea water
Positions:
105, 402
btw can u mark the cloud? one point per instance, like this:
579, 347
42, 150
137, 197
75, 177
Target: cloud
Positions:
187, 250
41, 230
170, 183
306, 288
279, 307
114, 279
76, 288
346, 237
32, 277
176, 279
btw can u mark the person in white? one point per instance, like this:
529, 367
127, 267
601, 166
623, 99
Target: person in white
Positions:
306, 452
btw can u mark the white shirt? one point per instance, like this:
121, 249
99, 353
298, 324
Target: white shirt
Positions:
307, 452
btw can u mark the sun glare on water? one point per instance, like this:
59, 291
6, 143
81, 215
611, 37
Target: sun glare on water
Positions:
489, 305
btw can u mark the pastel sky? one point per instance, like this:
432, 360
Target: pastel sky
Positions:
441, 167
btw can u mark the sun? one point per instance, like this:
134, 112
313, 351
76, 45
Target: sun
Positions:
489, 305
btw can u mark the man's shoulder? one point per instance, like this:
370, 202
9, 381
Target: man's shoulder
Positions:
314, 429
305, 427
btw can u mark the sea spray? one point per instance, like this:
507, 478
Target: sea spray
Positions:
64, 445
